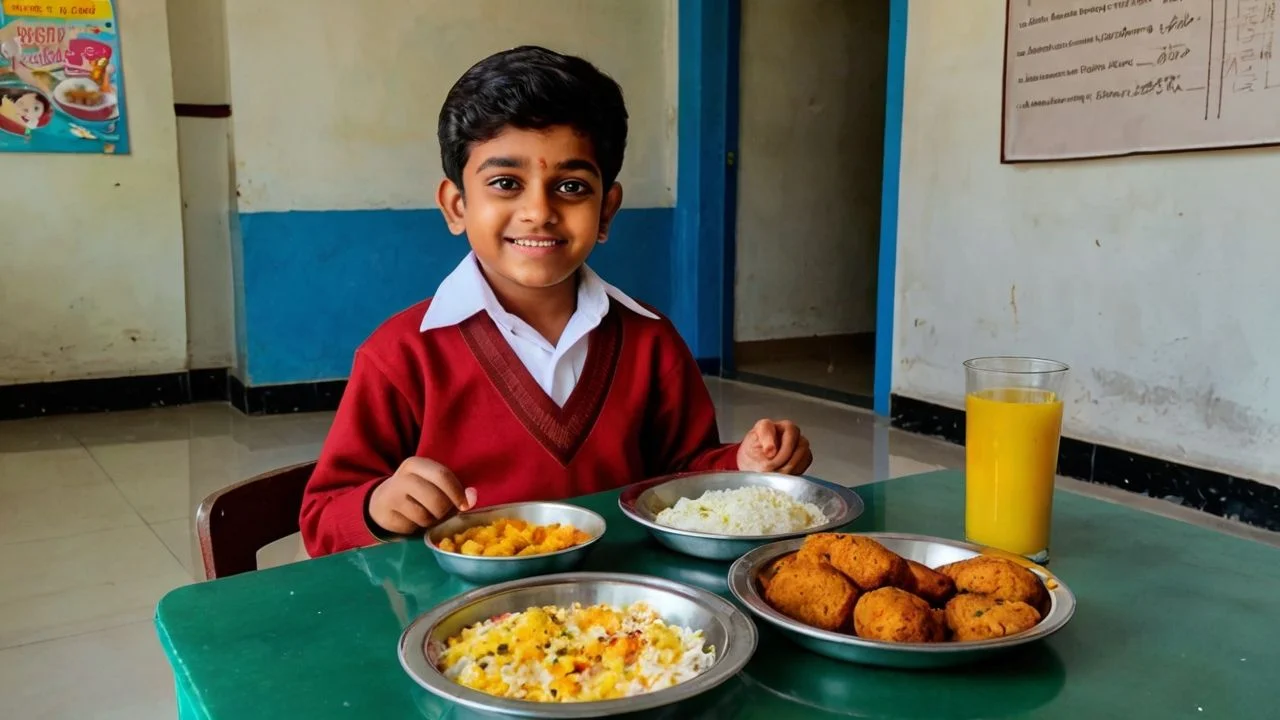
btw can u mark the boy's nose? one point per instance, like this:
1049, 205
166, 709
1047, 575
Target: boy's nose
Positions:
537, 208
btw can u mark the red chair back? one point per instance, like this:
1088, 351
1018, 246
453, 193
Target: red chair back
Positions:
233, 524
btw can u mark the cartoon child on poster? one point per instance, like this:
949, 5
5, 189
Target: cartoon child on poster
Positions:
23, 109
24, 104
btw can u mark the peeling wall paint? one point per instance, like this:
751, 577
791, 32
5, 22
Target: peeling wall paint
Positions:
1153, 277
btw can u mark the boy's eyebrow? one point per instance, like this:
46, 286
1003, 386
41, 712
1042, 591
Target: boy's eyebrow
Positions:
520, 163
579, 164
503, 162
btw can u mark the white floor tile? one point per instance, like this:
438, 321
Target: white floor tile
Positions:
71, 585
154, 476
49, 494
180, 539
115, 674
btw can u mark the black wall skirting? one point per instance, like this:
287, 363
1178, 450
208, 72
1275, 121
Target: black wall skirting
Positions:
111, 394
1213, 492
155, 391
285, 399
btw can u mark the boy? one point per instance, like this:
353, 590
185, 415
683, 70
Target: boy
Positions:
526, 376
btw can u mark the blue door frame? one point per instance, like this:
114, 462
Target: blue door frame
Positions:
887, 273
706, 202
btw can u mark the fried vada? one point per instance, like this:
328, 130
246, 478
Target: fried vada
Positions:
766, 575
866, 562
814, 593
998, 578
982, 617
893, 615
929, 584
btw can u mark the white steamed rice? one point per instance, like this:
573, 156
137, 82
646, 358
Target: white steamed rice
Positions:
742, 511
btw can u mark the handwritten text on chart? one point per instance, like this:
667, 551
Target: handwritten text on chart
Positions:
1141, 75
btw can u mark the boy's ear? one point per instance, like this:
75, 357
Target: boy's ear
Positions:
449, 198
609, 209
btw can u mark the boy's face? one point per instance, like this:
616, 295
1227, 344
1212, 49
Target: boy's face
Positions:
532, 204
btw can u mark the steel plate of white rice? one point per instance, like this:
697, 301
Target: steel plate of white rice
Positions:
742, 511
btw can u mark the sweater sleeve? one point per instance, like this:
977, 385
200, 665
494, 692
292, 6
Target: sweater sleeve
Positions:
682, 432
373, 432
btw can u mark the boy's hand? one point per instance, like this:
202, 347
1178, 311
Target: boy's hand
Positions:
775, 447
421, 493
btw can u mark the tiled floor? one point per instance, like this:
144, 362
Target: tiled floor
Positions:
96, 526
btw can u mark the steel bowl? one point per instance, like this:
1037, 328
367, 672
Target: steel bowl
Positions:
642, 503
729, 630
489, 570
930, 551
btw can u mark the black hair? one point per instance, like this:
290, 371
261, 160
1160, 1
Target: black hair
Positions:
533, 88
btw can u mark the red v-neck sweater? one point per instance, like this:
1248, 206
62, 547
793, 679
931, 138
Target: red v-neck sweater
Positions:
459, 395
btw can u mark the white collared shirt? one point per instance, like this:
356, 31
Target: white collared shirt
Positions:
557, 367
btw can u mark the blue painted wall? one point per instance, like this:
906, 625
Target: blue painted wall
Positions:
311, 286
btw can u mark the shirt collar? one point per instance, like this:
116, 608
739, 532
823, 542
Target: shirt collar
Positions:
465, 292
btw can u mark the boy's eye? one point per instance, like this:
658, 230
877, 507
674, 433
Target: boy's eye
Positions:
573, 187
504, 184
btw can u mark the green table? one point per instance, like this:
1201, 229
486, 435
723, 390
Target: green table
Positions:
1173, 621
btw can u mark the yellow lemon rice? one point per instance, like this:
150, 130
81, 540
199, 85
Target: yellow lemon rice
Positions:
576, 654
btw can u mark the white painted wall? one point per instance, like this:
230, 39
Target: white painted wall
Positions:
812, 134
204, 156
197, 36
91, 258
1153, 277
335, 102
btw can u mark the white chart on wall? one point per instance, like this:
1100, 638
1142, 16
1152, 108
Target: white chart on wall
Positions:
1098, 78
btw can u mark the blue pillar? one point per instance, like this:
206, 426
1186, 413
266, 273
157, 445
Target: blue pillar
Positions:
707, 99
886, 296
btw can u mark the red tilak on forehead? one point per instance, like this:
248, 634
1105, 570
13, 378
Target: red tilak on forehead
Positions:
542, 163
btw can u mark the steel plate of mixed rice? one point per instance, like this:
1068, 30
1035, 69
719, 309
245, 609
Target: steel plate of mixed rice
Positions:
576, 654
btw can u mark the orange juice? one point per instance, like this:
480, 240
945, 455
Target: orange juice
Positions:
1011, 457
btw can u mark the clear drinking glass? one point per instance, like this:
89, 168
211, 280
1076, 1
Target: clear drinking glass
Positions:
1013, 422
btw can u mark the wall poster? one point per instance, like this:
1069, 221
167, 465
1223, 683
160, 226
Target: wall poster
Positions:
61, 83
1095, 78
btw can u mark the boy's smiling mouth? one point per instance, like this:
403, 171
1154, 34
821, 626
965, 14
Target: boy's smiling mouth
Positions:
536, 242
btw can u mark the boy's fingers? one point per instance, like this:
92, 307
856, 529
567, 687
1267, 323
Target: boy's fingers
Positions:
803, 463
801, 460
441, 477
401, 525
784, 437
430, 498
790, 437
766, 436
413, 515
